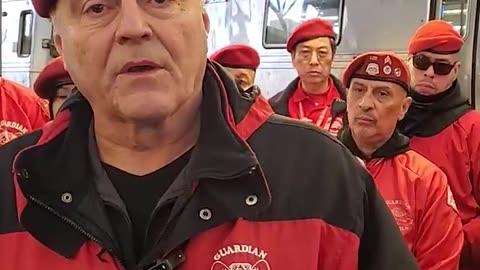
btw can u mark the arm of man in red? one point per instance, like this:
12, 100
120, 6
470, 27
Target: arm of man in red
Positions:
472, 228
440, 239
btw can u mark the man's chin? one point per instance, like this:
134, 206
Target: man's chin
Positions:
153, 112
425, 91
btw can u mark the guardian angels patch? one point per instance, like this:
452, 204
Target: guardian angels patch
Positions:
240, 257
401, 210
372, 69
10, 130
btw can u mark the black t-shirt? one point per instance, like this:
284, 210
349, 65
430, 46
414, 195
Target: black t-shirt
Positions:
140, 194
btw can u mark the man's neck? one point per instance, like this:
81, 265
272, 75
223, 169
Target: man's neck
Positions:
368, 147
140, 149
315, 88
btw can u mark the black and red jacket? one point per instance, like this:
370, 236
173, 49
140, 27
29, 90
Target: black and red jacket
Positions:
244, 200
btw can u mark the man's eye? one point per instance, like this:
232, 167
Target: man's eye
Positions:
97, 8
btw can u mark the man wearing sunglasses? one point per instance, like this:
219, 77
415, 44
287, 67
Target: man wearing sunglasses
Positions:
443, 126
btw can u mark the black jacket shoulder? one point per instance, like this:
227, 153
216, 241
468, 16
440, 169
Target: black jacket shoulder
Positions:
8, 152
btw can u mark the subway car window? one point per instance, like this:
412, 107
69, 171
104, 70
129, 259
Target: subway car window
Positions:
455, 12
283, 16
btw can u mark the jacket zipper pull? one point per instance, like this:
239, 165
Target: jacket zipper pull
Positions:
100, 255
172, 261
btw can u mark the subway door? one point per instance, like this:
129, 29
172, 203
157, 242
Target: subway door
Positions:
475, 90
462, 14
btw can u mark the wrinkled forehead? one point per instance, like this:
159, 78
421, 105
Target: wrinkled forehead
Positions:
376, 84
314, 44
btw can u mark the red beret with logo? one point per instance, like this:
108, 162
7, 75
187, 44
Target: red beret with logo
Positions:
378, 66
435, 36
52, 75
308, 30
43, 7
237, 56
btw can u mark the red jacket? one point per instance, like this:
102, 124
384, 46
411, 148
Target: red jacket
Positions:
21, 111
244, 201
449, 137
294, 103
417, 193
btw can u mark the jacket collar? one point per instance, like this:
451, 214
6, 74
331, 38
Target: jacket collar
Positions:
429, 115
279, 102
59, 163
397, 144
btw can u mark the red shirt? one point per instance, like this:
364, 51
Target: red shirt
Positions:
21, 111
316, 109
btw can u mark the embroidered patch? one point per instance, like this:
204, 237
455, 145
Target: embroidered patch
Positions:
372, 69
240, 257
10, 130
401, 211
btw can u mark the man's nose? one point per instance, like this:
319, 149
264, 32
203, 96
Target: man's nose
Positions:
314, 59
366, 103
430, 72
132, 23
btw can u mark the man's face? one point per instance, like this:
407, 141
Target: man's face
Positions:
133, 59
245, 77
374, 107
313, 60
425, 79
63, 92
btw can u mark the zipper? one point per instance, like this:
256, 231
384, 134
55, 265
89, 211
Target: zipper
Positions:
155, 263
76, 227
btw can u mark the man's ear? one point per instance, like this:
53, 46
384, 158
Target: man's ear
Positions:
206, 21
57, 40
407, 101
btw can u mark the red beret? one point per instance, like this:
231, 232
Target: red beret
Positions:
237, 56
52, 73
436, 36
43, 7
308, 30
378, 66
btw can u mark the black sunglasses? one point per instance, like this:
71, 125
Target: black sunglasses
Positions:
422, 62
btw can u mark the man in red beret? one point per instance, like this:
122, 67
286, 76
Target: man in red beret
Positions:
241, 61
315, 96
160, 164
21, 111
443, 126
54, 84
415, 190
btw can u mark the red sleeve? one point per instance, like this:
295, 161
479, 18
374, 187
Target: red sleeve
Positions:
440, 239
37, 113
472, 228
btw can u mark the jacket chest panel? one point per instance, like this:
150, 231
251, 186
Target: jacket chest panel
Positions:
299, 244
40, 257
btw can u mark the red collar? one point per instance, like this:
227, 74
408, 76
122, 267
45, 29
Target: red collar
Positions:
300, 95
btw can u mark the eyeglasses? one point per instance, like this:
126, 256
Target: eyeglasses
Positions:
422, 62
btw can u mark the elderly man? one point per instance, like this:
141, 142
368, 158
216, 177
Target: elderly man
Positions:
21, 111
241, 61
54, 84
416, 190
315, 96
162, 165
443, 126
